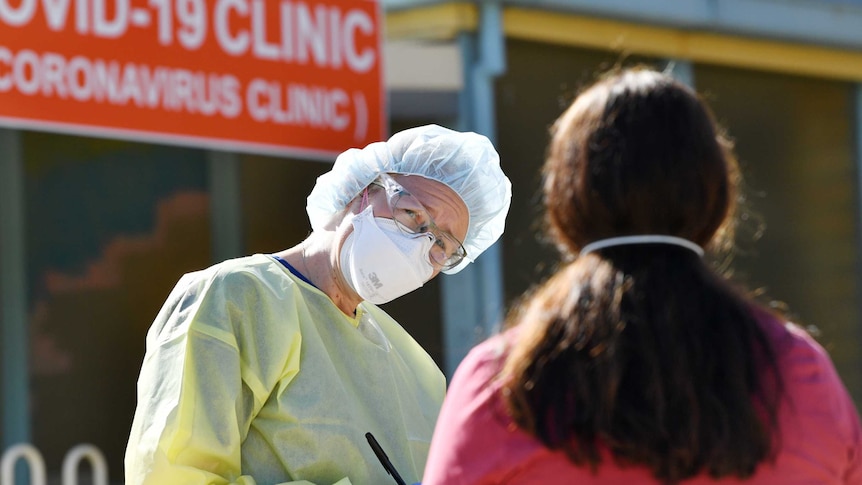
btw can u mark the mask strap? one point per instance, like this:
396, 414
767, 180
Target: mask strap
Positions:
643, 239
364, 203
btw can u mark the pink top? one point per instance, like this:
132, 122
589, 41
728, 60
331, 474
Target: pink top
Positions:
475, 442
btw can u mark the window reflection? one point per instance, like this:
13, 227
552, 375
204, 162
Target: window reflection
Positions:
110, 228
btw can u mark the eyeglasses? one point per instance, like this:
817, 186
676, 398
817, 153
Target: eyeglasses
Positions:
412, 218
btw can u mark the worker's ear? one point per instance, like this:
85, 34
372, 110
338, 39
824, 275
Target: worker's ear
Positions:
355, 206
334, 221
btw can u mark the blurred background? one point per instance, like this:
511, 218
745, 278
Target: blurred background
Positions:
95, 230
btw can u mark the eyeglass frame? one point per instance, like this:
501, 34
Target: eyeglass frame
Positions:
394, 192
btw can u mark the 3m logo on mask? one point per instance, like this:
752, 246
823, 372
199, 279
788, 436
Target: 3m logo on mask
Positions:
380, 262
375, 280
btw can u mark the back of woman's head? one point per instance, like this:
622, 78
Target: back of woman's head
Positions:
637, 153
641, 349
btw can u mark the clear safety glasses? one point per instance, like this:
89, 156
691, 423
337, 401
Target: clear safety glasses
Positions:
412, 218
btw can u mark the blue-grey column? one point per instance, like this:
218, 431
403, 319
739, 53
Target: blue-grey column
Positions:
225, 206
473, 299
13, 293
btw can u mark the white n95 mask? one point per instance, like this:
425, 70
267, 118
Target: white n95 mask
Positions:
382, 263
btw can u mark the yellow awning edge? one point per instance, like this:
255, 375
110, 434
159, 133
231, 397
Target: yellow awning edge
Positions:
443, 22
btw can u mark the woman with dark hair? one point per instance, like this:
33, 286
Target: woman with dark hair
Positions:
636, 362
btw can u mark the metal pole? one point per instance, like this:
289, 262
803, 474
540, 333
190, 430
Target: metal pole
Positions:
13, 292
682, 71
473, 299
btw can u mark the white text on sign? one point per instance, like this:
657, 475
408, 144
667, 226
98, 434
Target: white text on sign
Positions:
323, 35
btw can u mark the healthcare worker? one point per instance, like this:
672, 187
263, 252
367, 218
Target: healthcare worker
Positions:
271, 369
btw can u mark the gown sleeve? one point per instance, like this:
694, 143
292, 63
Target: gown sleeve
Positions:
217, 349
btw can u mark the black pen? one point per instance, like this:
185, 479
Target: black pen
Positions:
384, 460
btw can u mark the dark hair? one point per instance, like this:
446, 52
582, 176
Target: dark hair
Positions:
643, 349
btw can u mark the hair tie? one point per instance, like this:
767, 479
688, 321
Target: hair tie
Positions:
643, 239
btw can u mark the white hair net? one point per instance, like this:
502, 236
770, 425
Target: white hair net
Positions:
466, 162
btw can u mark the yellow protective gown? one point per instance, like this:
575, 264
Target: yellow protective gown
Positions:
252, 376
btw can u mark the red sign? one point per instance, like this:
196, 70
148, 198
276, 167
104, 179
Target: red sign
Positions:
300, 77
